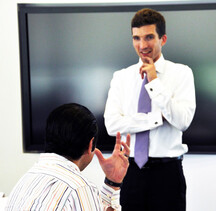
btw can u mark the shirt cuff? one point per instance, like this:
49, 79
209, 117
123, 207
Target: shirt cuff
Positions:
110, 197
154, 88
155, 119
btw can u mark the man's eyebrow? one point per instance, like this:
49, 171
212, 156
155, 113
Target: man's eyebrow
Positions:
150, 34
134, 36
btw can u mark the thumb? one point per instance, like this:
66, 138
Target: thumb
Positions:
99, 155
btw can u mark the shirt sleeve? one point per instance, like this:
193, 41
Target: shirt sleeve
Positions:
110, 197
177, 106
90, 198
116, 120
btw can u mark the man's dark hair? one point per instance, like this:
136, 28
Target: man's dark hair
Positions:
148, 17
69, 130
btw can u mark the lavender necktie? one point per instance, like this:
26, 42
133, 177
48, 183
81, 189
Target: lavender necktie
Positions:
142, 138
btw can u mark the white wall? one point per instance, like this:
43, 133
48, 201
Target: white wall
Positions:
199, 169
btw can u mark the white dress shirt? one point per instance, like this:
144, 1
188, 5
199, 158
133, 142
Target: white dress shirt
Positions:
173, 107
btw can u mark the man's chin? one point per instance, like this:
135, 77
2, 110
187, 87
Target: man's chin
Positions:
144, 56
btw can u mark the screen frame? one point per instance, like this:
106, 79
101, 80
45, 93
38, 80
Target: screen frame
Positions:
25, 9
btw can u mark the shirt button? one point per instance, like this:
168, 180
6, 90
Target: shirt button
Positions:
156, 123
151, 89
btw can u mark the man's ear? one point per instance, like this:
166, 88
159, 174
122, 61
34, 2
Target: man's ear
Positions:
164, 40
90, 146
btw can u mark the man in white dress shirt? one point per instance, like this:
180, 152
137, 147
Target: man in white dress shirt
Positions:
159, 185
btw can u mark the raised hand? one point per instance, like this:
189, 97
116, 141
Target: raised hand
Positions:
115, 167
148, 68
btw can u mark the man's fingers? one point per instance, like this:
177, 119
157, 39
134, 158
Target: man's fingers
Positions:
124, 159
148, 60
126, 150
142, 71
126, 146
128, 139
99, 155
118, 141
118, 137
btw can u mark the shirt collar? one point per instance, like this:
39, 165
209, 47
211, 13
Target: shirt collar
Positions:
159, 64
48, 158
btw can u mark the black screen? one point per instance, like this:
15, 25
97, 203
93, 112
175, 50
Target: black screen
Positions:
69, 55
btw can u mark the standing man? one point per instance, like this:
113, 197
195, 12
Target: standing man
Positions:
154, 101
56, 181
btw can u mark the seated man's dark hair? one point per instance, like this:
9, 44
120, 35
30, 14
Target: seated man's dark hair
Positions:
148, 17
69, 130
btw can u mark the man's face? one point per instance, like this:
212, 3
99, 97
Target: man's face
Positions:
146, 42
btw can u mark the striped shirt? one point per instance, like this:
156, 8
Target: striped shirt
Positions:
55, 183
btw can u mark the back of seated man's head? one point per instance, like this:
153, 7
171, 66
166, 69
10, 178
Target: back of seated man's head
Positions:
69, 130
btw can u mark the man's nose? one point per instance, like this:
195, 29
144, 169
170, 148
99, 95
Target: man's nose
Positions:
143, 44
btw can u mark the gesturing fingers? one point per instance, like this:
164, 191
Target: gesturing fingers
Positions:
124, 159
128, 140
118, 142
99, 155
126, 150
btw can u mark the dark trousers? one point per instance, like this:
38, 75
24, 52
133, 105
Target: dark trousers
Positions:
157, 187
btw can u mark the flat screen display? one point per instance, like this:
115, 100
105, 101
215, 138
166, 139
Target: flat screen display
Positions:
69, 54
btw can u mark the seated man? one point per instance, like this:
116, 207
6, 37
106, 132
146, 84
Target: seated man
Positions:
56, 182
